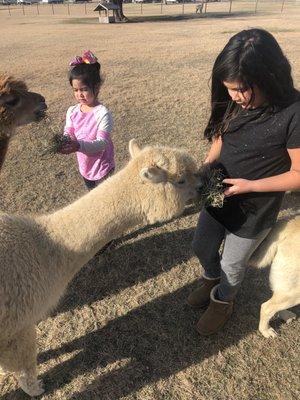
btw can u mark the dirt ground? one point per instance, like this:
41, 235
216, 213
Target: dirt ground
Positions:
123, 329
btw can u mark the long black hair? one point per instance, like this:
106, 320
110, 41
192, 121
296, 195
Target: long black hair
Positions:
88, 74
251, 57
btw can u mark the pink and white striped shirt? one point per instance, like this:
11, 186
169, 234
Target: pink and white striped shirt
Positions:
93, 131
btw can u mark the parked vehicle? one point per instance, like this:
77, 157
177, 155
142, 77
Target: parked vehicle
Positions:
79, 1
26, 2
7, 2
142, 1
52, 1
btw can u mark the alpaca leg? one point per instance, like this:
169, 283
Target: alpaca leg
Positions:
20, 357
269, 309
27, 373
28, 382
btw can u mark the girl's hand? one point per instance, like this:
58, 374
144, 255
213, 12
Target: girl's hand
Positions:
238, 186
69, 147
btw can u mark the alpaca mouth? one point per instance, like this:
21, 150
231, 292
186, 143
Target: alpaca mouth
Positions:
41, 113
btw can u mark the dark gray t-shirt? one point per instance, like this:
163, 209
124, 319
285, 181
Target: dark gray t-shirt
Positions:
255, 147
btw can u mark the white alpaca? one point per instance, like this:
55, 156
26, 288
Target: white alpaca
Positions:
40, 255
18, 107
281, 249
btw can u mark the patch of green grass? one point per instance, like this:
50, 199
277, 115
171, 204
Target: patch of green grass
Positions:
150, 18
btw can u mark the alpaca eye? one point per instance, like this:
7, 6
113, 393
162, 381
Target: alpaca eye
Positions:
181, 182
13, 102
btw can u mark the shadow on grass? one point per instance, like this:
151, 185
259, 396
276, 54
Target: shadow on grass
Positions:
156, 340
127, 265
162, 18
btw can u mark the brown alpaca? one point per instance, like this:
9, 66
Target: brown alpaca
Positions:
18, 107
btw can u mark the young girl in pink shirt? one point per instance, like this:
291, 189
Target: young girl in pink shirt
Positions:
89, 123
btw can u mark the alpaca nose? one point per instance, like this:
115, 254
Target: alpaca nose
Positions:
42, 106
200, 185
43, 101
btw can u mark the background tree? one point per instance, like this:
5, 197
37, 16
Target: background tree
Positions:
118, 14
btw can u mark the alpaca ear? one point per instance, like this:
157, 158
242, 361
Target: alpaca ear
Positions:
134, 148
153, 174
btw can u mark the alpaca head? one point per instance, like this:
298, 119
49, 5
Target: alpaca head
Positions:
18, 106
167, 180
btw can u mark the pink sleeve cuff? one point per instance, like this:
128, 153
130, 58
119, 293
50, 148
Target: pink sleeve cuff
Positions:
103, 135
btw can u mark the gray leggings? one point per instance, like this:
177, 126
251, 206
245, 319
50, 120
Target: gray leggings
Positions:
232, 263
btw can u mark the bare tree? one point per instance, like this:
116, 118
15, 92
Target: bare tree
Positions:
118, 14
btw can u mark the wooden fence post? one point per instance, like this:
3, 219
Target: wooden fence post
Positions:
23, 9
183, 7
9, 10
37, 9
230, 6
283, 1
52, 6
256, 4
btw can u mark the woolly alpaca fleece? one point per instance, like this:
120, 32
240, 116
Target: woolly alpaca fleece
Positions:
40, 255
18, 107
281, 249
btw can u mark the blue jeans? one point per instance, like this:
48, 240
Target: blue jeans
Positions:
231, 264
92, 184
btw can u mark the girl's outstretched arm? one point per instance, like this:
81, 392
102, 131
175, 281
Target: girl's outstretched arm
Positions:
215, 151
279, 183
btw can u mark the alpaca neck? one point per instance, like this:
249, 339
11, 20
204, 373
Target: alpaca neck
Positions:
103, 214
6, 130
3, 148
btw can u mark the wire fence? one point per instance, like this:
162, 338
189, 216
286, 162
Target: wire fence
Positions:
154, 9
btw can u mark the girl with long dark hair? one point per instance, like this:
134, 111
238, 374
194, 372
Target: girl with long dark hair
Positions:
254, 128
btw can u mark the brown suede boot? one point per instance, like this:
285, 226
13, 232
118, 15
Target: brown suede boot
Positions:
216, 315
200, 297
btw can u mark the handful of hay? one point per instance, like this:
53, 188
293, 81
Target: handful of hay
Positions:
54, 140
212, 193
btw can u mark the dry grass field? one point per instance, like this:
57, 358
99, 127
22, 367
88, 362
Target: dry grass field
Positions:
123, 329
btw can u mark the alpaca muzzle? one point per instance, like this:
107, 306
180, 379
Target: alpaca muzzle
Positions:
42, 107
210, 185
